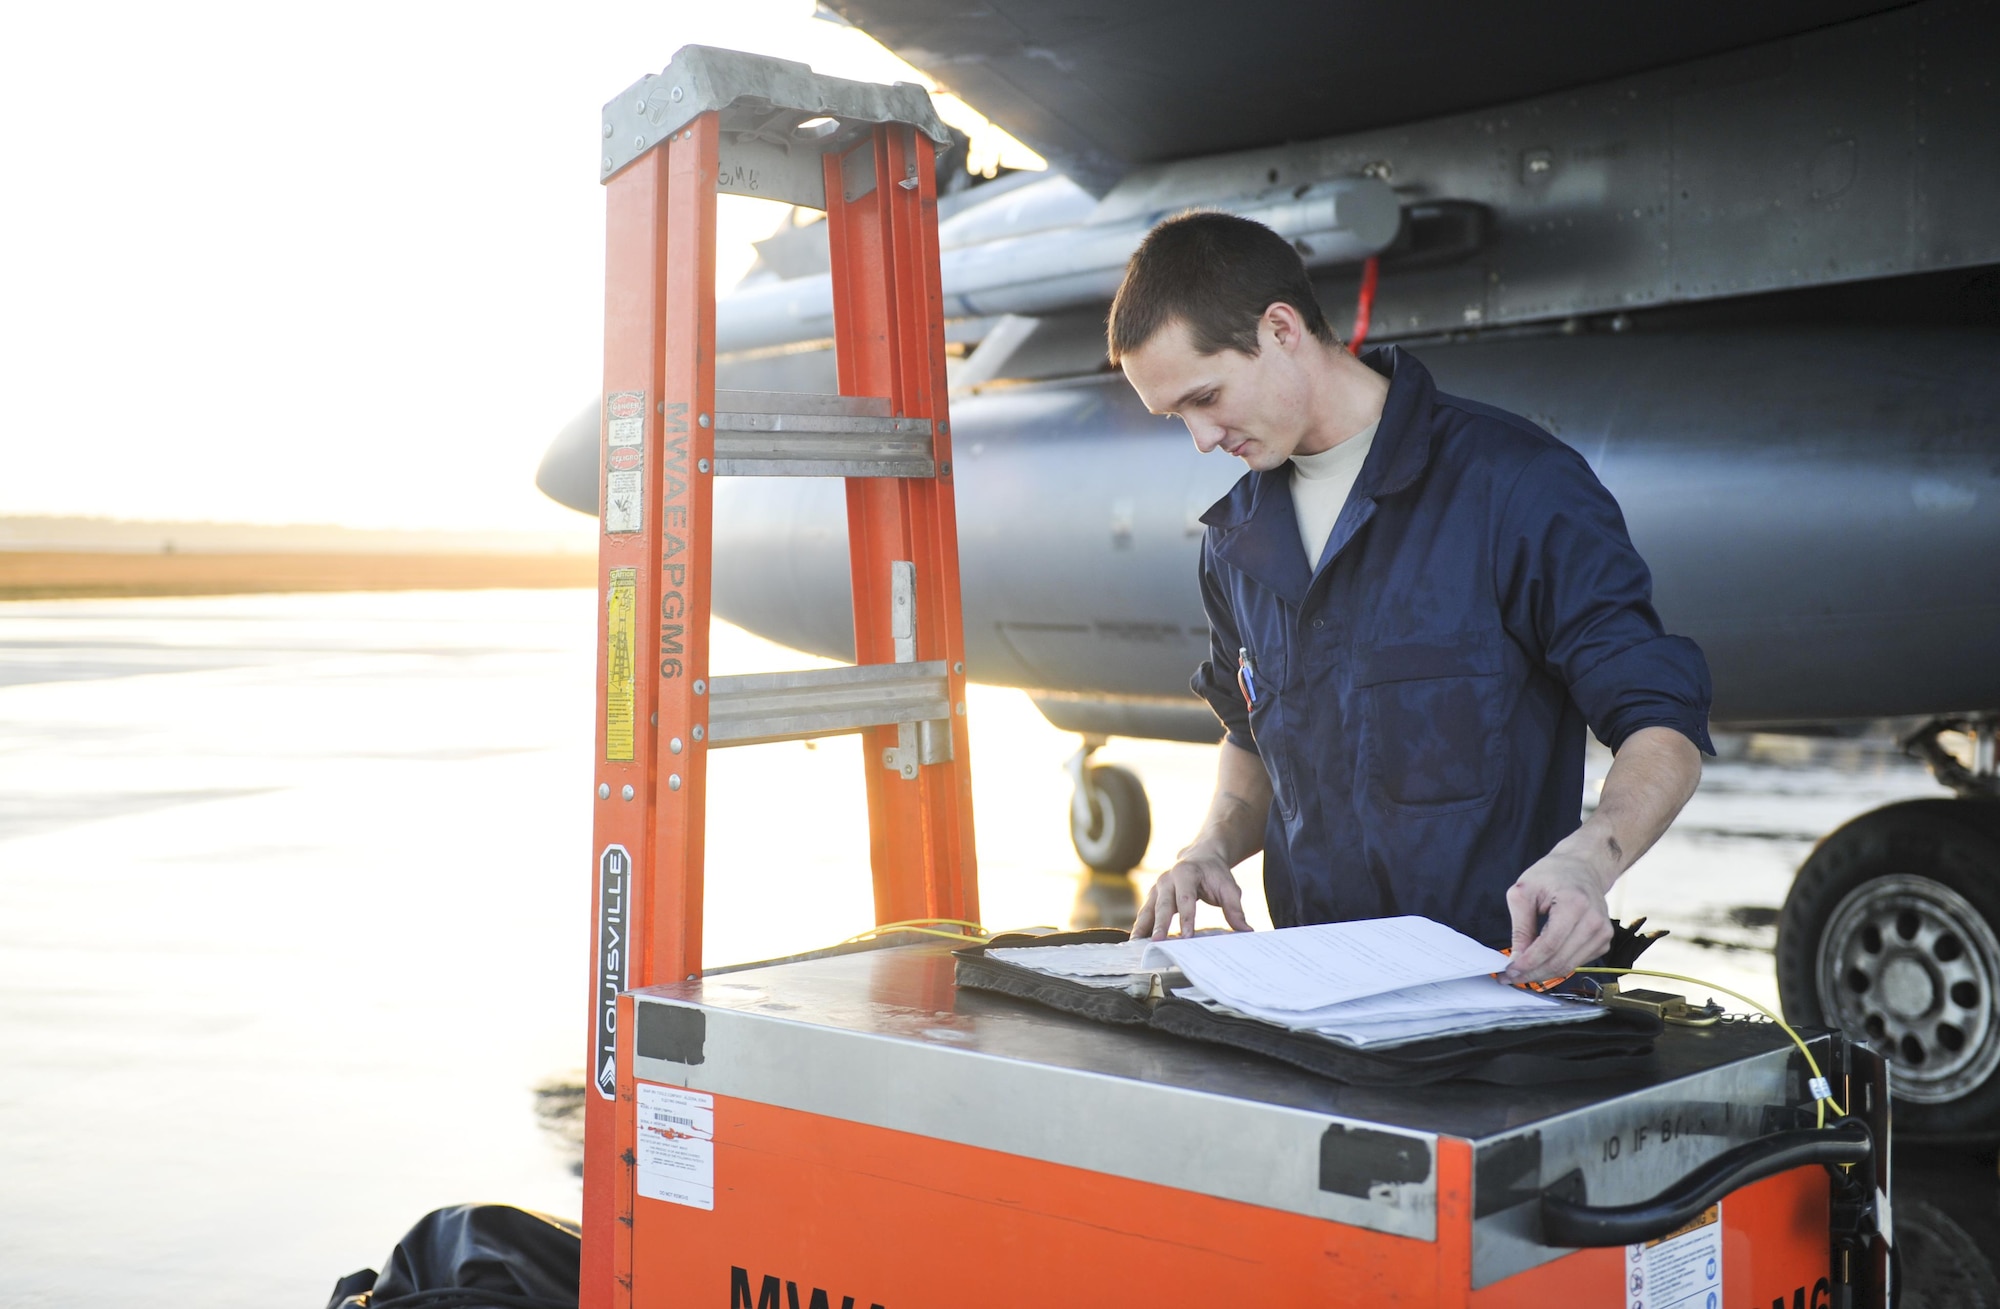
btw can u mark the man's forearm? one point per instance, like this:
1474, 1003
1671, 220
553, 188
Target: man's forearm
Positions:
1234, 827
1652, 777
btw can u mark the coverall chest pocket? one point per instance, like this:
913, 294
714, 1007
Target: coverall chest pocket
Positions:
1272, 725
1432, 715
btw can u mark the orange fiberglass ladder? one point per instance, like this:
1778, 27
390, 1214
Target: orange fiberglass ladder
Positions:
718, 120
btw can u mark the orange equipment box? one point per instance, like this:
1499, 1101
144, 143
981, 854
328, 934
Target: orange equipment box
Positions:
852, 1130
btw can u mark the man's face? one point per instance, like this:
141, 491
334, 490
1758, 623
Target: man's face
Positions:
1251, 406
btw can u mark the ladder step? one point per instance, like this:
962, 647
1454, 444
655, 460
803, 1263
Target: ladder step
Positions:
752, 708
803, 402
797, 434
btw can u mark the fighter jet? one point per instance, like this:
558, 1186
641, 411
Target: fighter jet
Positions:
1745, 259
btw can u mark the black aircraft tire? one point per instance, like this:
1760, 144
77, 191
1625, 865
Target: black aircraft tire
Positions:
1892, 933
1121, 821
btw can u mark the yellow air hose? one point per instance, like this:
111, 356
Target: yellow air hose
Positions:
926, 927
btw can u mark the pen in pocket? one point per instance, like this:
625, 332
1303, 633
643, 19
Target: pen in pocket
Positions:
1246, 676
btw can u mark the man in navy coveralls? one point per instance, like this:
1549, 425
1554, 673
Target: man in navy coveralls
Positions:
1417, 604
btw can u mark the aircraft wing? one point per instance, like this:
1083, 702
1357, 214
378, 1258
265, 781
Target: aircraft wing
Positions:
1099, 86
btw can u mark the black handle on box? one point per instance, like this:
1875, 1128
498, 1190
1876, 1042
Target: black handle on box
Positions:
1568, 1221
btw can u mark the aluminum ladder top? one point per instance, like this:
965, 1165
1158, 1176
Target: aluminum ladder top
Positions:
719, 120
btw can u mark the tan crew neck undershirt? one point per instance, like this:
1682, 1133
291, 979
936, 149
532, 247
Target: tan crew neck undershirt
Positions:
1321, 484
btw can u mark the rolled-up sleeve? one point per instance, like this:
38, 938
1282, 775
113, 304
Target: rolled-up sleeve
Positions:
1215, 680
1576, 595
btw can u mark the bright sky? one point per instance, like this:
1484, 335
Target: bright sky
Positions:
326, 263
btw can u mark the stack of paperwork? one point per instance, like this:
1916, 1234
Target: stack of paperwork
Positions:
1373, 983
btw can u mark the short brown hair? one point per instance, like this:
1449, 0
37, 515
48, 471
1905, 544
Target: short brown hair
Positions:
1217, 273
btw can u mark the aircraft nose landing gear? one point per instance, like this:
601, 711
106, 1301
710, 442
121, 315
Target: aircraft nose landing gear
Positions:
1110, 824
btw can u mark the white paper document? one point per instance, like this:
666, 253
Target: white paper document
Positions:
1462, 995
1304, 968
1376, 982
1422, 1013
1403, 1031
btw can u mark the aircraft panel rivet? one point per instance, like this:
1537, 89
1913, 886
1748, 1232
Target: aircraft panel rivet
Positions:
607, 131
638, 143
627, 791
677, 95
944, 428
698, 732
700, 687
673, 781
656, 718
958, 668
702, 464
674, 745
703, 420
607, 161
604, 790
944, 469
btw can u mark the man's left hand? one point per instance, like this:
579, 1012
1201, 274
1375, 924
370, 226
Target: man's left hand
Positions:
1567, 892
1652, 775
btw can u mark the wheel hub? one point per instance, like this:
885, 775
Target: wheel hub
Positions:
1908, 964
1908, 988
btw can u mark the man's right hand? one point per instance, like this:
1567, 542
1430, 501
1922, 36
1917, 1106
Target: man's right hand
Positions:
1194, 878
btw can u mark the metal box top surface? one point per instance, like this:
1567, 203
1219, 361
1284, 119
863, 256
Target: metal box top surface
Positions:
907, 994
886, 1038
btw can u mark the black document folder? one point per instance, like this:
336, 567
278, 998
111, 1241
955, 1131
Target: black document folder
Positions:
1616, 1044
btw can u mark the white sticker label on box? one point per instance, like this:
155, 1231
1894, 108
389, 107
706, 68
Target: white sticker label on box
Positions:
676, 1149
1682, 1270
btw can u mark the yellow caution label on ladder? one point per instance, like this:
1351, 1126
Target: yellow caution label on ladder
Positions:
621, 612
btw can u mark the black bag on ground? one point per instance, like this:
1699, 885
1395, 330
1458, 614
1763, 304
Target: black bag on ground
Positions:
1615, 1044
473, 1256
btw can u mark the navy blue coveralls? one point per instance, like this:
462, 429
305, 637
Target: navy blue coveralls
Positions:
1421, 695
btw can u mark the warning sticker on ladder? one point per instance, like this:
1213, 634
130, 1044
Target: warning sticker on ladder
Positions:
625, 418
1682, 1270
676, 1146
624, 461
621, 625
